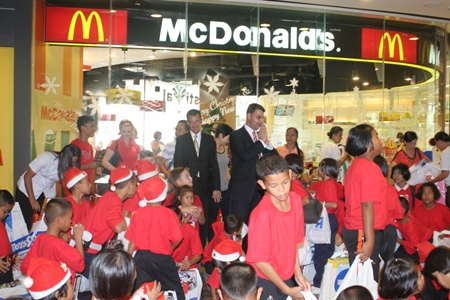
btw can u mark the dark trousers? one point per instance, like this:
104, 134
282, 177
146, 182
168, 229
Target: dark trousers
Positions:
389, 239
223, 205
25, 206
204, 229
447, 196
243, 207
322, 252
271, 291
351, 238
6, 277
160, 267
88, 257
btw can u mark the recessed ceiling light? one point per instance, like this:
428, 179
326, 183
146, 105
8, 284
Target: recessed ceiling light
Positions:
433, 4
365, 83
156, 15
264, 25
303, 29
193, 54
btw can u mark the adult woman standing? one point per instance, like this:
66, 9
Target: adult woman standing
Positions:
409, 154
38, 181
124, 146
157, 145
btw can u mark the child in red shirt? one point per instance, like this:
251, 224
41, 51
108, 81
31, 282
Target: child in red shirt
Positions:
78, 184
326, 193
153, 233
184, 196
433, 215
401, 174
365, 197
58, 216
276, 231
106, 217
295, 163
189, 253
6, 206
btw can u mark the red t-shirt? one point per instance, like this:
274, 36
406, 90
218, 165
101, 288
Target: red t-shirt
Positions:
131, 205
214, 279
219, 236
364, 182
406, 193
315, 185
273, 235
5, 245
394, 207
190, 245
129, 154
154, 228
437, 218
54, 248
402, 158
327, 192
297, 187
80, 211
87, 155
103, 217
413, 232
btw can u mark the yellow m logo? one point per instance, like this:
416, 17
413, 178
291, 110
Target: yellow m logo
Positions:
86, 25
391, 45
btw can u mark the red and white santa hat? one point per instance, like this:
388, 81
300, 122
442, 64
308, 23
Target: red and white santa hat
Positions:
152, 190
145, 169
118, 175
73, 176
45, 276
228, 250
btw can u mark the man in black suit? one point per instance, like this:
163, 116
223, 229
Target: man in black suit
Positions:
197, 151
247, 145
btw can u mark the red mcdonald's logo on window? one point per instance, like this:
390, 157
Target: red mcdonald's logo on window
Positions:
388, 45
81, 25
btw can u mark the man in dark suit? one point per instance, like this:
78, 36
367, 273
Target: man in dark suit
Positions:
247, 145
197, 151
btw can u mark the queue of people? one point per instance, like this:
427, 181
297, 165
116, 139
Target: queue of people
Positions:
172, 223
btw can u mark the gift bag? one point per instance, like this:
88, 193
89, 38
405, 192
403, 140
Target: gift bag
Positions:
359, 274
437, 241
192, 284
334, 272
421, 170
319, 233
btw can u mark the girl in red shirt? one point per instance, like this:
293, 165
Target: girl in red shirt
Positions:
433, 215
400, 175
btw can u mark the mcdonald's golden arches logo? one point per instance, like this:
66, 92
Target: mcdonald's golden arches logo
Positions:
86, 25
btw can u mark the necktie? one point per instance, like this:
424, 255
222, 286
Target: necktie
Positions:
255, 138
196, 144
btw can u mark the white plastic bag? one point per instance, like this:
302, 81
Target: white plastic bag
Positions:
359, 274
319, 233
421, 170
437, 241
305, 254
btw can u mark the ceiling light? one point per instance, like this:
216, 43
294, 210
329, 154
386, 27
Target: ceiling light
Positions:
365, 83
193, 54
355, 75
407, 75
303, 28
156, 15
264, 25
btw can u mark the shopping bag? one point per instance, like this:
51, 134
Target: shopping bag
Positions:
334, 272
192, 284
307, 295
445, 241
421, 170
359, 274
305, 254
319, 233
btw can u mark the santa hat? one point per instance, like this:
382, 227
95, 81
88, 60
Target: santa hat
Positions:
145, 169
152, 190
228, 250
45, 276
118, 175
73, 176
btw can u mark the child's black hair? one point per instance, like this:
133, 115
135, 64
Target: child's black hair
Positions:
55, 208
398, 279
145, 153
359, 139
355, 292
233, 223
112, 273
84, 121
438, 260
295, 162
382, 163
403, 170
6, 198
176, 173
433, 187
180, 191
61, 292
238, 281
405, 204
223, 129
271, 164
123, 184
329, 167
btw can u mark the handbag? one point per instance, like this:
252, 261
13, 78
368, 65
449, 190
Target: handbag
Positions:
319, 233
359, 274
312, 211
114, 160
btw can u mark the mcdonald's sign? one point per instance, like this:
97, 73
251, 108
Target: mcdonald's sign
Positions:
82, 25
388, 45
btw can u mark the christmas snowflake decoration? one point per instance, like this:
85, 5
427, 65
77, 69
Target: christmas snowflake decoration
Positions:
294, 84
50, 85
94, 106
271, 95
123, 95
213, 84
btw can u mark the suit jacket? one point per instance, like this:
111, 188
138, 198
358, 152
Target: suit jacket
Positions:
244, 155
205, 164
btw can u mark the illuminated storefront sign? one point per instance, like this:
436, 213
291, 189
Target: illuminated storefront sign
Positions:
77, 25
389, 45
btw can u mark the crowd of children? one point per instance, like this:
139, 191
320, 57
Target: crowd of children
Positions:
162, 232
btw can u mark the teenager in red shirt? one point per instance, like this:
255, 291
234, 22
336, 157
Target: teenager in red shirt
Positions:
433, 215
400, 174
6, 206
365, 197
295, 163
78, 184
276, 231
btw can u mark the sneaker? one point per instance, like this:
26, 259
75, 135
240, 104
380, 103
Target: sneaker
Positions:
315, 290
